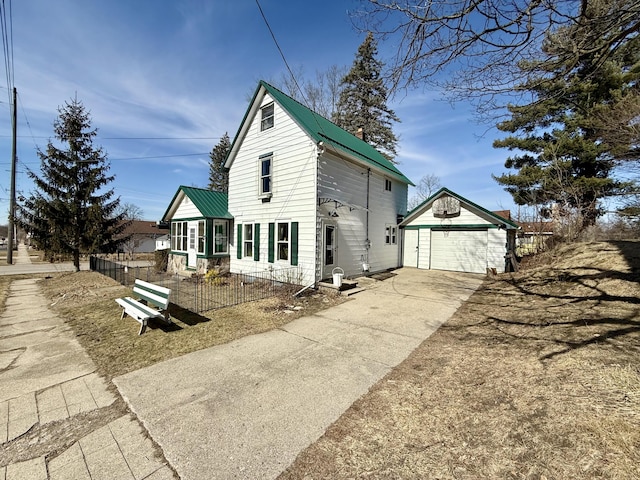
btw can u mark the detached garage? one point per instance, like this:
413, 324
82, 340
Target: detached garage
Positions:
449, 232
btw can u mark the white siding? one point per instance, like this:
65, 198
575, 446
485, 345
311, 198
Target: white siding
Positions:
466, 217
496, 249
346, 182
424, 250
186, 209
293, 190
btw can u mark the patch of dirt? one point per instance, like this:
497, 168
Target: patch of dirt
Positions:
536, 376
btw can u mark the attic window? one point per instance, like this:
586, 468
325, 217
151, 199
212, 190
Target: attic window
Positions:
387, 185
267, 117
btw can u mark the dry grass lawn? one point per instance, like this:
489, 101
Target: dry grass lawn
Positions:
86, 301
537, 376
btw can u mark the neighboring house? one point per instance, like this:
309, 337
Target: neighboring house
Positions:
200, 224
305, 193
533, 236
163, 242
142, 235
449, 232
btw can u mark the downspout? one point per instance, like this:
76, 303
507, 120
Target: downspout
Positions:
368, 243
320, 149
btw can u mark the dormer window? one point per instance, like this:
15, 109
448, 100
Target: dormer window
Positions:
266, 121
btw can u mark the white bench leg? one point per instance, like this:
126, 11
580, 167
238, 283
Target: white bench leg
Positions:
143, 326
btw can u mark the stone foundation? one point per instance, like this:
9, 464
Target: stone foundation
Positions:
178, 264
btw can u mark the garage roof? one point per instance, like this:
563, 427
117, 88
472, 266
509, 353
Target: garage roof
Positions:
426, 205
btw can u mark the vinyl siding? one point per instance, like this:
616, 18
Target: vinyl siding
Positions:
293, 190
496, 249
186, 209
466, 217
346, 182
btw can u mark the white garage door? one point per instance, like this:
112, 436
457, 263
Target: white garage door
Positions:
459, 250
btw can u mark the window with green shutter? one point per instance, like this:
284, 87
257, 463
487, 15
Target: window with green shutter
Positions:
239, 241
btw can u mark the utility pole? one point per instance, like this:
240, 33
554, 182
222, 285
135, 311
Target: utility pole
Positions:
12, 200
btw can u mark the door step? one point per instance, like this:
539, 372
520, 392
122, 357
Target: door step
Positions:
352, 291
346, 285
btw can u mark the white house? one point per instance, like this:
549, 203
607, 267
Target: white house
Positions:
449, 232
305, 193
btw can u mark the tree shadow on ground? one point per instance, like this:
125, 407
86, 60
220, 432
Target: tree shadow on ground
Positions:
571, 304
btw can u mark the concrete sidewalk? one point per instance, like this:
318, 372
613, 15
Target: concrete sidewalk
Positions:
48, 383
248, 408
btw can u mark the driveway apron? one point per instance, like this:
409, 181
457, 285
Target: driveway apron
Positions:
246, 409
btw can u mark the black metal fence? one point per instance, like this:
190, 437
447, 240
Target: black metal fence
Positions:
200, 293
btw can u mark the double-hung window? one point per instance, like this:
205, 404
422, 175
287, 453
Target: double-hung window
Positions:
248, 240
221, 236
266, 170
283, 241
391, 235
267, 117
201, 237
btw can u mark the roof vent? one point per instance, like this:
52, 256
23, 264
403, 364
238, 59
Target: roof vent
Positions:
446, 207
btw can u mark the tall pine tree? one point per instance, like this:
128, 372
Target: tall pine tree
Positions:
71, 212
561, 157
363, 101
218, 175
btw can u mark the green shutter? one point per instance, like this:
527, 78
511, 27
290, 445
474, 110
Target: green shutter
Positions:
294, 243
272, 234
256, 242
239, 240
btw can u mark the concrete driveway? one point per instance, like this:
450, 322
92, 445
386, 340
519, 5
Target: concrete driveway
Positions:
248, 408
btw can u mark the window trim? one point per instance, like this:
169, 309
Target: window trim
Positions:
201, 237
286, 242
267, 122
390, 234
225, 224
261, 177
246, 242
181, 240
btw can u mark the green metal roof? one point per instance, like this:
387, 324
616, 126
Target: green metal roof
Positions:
210, 203
322, 130
424, 205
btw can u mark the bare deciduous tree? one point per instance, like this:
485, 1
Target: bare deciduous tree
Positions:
486, 40
320, 94
426, 187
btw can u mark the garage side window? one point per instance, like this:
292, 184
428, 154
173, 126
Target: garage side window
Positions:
391, 235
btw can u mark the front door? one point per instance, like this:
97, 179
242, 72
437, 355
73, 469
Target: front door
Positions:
192, 253
329, 249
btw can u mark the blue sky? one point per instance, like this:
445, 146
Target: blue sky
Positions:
164, 80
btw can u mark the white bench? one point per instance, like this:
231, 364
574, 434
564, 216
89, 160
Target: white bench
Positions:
142, 308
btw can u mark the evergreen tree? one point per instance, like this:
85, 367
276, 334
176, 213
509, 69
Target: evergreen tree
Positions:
218, 175
562, 159
363, 101
71, 213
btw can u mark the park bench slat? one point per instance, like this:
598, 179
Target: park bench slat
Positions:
150, 294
